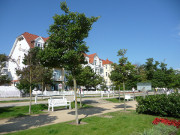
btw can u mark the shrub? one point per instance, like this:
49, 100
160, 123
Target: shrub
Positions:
161, 129
161, 105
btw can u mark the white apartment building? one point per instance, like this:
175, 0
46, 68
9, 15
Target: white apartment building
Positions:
26, 41
20, 47
100, 67
95, 63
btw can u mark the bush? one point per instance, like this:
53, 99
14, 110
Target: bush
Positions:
161, 105
161, 129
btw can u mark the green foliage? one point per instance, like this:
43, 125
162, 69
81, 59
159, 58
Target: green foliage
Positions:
3, 78
25, 85
122, 71
161, 129
66, 43
160, 75
39, 73
86, 78
161, 105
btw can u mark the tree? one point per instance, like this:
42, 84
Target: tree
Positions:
122, 71
3, 77
66, 45
33, 73
87, 77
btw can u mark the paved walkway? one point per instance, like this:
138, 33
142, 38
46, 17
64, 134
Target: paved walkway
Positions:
62, 115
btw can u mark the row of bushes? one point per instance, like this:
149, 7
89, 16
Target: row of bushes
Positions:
161, 105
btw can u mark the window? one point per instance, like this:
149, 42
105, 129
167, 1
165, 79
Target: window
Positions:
106, 66
18, 61
106, 73
38, 45
19, 47
94, 62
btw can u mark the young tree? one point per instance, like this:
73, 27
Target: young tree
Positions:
66, 44
34, 73
3, 77
86, 78
122, 71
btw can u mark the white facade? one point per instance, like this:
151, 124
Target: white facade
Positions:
95, 63
100, 67
107, 68
20, 47
26, 41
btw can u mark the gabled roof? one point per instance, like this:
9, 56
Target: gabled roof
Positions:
106, 62
31, 37
91, 57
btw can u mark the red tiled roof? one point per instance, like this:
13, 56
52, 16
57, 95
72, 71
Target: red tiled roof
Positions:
91, 57
106, 62
31, 37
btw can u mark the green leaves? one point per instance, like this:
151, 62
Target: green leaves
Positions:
39, 73
122, 71
66, 44
3, 78
161, 105
64, 7
86, 77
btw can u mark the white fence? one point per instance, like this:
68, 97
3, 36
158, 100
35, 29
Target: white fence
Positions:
9, 91
50, 93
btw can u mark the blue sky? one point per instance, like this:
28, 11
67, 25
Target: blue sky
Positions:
147, 28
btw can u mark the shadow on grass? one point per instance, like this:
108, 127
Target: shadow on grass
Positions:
122, 106
89, 101
89, 111
22, 123
5, 109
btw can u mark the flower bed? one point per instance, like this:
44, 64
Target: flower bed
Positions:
175, 123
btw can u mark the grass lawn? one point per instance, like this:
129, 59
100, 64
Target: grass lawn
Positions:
121, 123
6, 112
24, 100
115, 100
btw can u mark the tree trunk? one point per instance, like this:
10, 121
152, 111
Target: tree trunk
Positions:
76, 108
63, 79
42, 89
30, 91
124, 96
119, 95
80, 98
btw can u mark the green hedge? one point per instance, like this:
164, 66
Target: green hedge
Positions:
161, 105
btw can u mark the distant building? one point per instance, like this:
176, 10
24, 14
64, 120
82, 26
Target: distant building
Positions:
100, 67
107, 68
95, 63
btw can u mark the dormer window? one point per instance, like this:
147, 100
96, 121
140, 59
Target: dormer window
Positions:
39, 45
